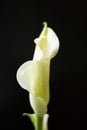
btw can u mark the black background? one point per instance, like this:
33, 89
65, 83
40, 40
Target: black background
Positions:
20, 23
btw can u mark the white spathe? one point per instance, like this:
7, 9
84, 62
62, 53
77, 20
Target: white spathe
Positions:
49, 48
33, 75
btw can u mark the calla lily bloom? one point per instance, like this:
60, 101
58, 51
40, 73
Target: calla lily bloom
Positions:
33, 75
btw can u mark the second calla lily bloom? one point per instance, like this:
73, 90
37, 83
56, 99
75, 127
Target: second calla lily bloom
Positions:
33, 75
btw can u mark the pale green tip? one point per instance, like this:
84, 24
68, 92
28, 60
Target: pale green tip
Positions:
44, 31
45, 24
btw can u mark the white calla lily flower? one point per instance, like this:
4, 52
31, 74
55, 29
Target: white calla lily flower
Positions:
33, 75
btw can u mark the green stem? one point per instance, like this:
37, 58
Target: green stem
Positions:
39, 122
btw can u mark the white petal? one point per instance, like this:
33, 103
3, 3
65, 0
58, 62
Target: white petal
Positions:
38, 104
33, 76
38, 53
24, 75
50, 46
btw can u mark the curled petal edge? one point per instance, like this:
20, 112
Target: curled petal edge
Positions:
38, 104
47, 45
